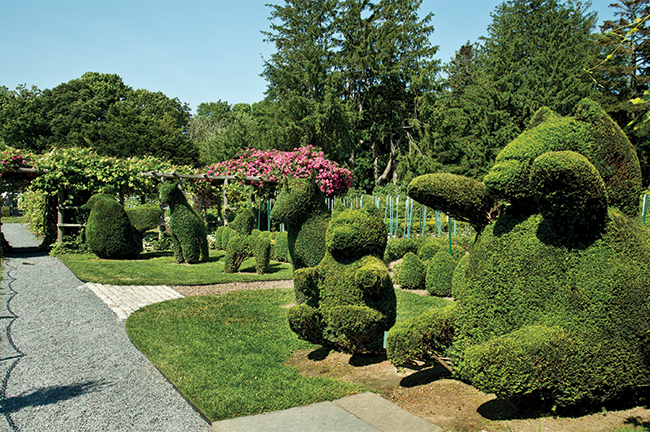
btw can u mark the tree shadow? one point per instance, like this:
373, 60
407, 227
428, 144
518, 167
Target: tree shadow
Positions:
25, 252
319, 354
49, 395
360, 360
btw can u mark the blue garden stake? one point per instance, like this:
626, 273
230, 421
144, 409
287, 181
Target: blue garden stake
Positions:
449, 229
645, 200
454, 227
259, 213
268, 214
439, 223
424, 220
361, 202
397, 216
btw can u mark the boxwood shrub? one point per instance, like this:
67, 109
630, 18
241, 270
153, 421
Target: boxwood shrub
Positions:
440, 271
411, 272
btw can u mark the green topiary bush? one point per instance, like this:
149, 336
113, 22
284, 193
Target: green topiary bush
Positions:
553, 306
440, 271
459, 274
218, 234
430, 247
189, 242
397, 248
301, 207
411, 273
226, 235
241, 247
347, 301
282, 247
145, 217
109, 233
244, 222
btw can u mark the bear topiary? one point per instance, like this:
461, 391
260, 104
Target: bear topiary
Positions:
411, 273
555, 299
109, 233
189, 236
347, 301
301, 207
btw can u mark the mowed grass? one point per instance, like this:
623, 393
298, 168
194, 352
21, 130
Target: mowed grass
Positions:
160, 268
226, 353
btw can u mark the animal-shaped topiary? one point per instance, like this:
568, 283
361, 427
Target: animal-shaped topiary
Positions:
189, 236
301, 207
347, 301
244, 245
112, 232
555, 300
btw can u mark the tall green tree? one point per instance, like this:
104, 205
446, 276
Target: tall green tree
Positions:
347, 75
23, 122
534, 55
623, 71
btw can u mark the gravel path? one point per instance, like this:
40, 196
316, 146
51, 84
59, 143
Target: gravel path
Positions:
66, 362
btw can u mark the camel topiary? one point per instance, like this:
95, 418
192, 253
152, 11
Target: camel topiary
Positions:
112, 232
244, 245
555, 298
189, 236
347, 301
301, 207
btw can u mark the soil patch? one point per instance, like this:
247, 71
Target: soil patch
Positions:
455, 406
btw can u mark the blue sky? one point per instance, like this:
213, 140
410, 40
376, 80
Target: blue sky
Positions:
197, 51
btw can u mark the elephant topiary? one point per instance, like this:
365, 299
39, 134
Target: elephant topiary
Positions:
554, 304
189, 236
112, 232
347, 301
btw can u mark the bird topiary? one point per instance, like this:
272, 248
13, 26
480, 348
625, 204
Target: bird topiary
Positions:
347, 301
189, 236
554, 302
301, 207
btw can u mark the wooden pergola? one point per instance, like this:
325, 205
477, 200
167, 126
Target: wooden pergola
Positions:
219, 180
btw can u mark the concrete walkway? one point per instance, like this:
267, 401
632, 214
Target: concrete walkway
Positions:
67, 363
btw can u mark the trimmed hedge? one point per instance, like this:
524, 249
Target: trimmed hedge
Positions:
415, 339
398, 247
440, 271
411, 273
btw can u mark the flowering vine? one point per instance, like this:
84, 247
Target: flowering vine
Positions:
276, 165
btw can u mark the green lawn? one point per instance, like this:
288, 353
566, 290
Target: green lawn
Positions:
14, 220
226, 353
159, 268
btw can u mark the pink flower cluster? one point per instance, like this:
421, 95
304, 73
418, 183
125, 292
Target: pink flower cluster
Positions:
276, 165
11, 160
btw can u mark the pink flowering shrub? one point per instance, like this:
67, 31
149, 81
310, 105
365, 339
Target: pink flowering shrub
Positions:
12, 159
276, 165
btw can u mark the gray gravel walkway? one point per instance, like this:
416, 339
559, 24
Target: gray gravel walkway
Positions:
66, 362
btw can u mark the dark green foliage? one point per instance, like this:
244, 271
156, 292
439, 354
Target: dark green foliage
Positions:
241, 247
415, 339
430, 247
398, 247
348, 300
109, 233
244, 222
217, 238
591, 133
145, 217
411, 273
459, 274
440, 271
570, 195
301, 207
282, 247
463, 198
226, 235
186, 226
587, 306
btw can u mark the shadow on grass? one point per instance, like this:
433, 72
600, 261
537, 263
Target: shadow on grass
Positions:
49, 395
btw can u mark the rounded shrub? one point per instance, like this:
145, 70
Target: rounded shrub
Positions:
109, 233
440, 271
411, 273
431, 246
282, 247
226, 234
217, 238
244, 223
398, 247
